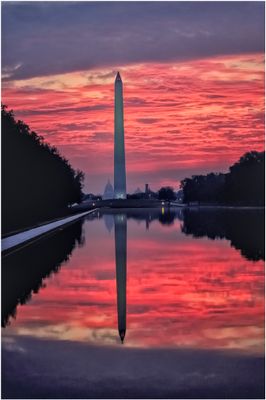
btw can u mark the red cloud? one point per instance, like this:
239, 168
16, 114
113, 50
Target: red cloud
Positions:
197, 115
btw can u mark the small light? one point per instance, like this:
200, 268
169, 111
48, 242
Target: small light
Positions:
93, 204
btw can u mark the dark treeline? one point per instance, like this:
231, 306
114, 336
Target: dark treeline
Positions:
23, 272
143, 195
164, 193
165, 216
243, 228
37, 182
244, 184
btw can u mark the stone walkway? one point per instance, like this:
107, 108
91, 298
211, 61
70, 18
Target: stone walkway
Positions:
22, 237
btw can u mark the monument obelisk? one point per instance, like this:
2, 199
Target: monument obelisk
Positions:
119, 148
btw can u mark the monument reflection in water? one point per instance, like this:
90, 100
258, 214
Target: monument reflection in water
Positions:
121, 271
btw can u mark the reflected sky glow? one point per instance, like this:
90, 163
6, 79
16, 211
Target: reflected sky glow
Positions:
181, 292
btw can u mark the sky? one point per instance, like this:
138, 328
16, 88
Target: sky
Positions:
193, 75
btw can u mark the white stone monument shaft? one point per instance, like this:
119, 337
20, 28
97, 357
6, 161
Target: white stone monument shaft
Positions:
119, 150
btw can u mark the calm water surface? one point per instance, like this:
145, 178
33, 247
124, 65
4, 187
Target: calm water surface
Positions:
158, 281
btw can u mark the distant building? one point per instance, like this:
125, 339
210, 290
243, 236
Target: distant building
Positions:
109, 221
91, 196
180, 196
108, 191
148, 193
88, 196
147, 189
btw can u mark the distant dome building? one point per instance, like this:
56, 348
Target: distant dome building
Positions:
109, 222
108, 191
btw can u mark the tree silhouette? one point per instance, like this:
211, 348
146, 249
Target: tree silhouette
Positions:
245, 229
167, 193
246, 180
243, 185
37, 182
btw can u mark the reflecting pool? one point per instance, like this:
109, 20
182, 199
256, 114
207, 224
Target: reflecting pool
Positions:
138, 303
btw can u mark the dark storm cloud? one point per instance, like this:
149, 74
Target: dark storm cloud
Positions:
79, 126
215, 96
100, 137
58, 110
148, 120
135, 101
45, 38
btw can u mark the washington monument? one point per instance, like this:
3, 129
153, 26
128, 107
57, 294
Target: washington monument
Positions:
120, 191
